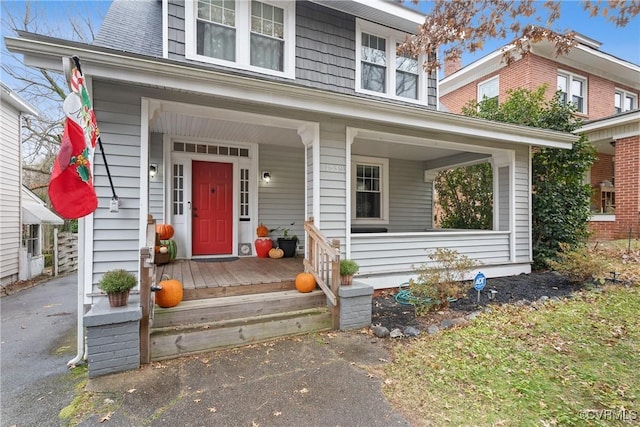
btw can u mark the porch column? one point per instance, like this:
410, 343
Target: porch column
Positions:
503, 200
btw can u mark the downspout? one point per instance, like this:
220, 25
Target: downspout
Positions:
81, 350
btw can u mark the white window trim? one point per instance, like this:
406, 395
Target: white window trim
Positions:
570, 78
384, 196
243, 38
624, 94
485, 82
393, 37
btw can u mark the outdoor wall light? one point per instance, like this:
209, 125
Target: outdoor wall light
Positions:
266, 176
153, 170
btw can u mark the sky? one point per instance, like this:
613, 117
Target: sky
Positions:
624, 43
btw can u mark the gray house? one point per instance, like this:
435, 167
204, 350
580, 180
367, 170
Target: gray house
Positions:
218, 116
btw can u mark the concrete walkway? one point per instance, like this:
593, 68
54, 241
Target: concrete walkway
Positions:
314, 380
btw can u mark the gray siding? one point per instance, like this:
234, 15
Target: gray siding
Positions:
325, 48
156, 188
398, 253
410, 198
115, 238
176, 17
281, 201
9, 194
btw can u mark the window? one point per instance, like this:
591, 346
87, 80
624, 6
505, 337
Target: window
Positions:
374, 63
489, 89
407, 76
381, 70
624, 101
31, 238
255, 35
574, 90
370, 189
178, 189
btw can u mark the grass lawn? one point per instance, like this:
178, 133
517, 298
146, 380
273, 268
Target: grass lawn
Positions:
569, 362
557, 363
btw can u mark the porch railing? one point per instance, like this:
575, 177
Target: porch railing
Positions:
323, 262
147, 279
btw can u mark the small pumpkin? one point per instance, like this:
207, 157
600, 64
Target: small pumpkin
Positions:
164, 250
262, 230
165, 231
305, 282
276, 253
157, 249
171, 293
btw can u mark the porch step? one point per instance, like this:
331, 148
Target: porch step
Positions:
240, 289
237, 306
172, 342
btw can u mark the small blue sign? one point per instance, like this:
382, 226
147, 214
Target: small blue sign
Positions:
479, 282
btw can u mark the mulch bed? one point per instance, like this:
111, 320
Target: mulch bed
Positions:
529, 287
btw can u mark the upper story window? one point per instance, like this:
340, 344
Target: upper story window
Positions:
252, 35
370, 190
574, 90
625, 101
381, 70
489, 89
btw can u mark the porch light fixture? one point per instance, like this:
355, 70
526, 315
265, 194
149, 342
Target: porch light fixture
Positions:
153, 170
266, 176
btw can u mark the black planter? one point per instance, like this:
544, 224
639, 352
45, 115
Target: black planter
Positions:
288, 246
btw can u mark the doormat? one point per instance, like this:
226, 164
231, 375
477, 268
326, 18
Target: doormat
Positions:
225, 259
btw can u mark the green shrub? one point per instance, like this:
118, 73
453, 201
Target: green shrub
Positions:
440, 280
348, 267
580, 264
117, 281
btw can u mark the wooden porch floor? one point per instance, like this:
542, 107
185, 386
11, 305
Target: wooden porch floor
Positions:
242, 276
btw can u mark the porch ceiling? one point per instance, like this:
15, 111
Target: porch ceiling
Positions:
210, 128
391, 150
216, 129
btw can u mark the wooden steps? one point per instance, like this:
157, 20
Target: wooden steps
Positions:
237, 289
200, 325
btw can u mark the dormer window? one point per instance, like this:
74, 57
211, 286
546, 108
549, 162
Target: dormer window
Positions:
256, 35
381, 70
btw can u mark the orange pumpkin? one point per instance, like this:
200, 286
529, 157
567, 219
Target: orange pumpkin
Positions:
171, 293
165, 231
305, 282
262, 230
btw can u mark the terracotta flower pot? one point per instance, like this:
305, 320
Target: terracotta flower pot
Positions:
346, 280
118, 299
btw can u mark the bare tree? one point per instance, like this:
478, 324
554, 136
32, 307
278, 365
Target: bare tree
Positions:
464, 25
43, 89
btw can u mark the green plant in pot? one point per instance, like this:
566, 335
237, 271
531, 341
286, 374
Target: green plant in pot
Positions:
117, 284
288, 243
348, 268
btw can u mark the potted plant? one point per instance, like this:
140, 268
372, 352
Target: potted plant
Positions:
288, 243
117, 284
348, 268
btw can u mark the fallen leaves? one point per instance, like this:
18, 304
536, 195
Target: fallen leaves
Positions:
106, 417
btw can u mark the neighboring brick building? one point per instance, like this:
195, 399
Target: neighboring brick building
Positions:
604, 90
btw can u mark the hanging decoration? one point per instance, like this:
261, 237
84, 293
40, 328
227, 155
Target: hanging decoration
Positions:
71, 188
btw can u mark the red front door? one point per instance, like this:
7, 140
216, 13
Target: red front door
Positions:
212, 208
